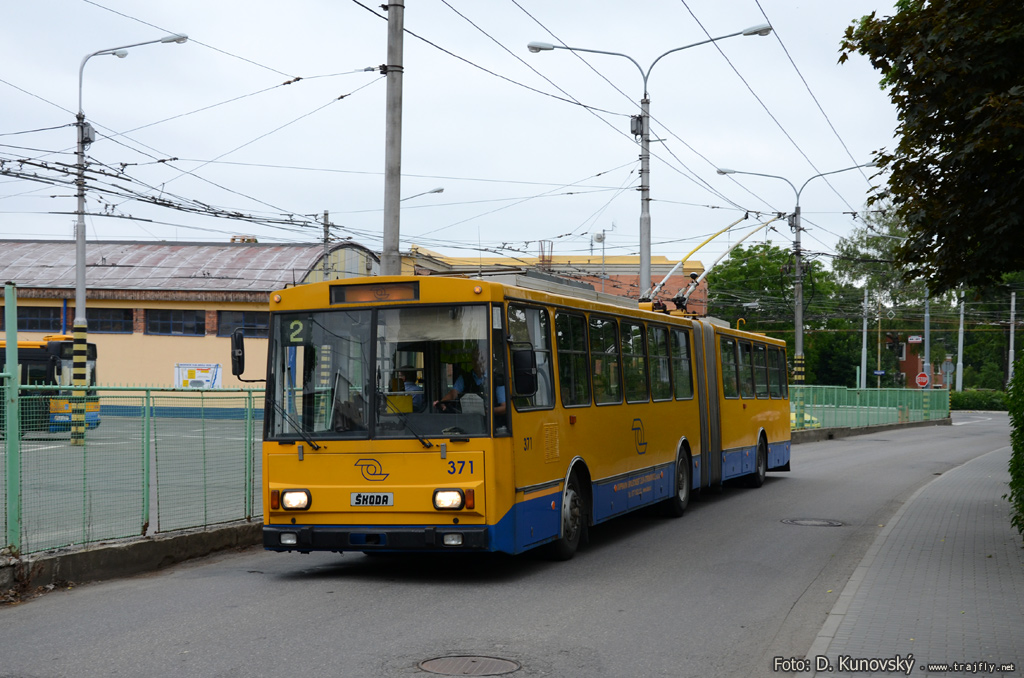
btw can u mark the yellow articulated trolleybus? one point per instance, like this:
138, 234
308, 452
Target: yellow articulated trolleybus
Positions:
453, 414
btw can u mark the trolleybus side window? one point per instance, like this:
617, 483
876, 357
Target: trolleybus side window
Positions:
760, 371
777, 373
730, 367
661, 368
604, 360
681, 372
573, 374
634, 362
530, 325
746, 370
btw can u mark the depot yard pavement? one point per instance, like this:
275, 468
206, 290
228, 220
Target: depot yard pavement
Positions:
198, 499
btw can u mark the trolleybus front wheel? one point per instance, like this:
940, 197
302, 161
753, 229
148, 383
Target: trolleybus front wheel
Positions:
573, 521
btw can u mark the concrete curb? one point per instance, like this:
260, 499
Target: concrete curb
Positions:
122, 559
818, 434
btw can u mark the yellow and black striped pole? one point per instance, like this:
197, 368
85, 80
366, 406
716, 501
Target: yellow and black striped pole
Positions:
79, 378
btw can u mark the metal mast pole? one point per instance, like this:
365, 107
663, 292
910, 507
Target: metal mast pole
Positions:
798, 296
390, 260
927, 338
1013, 313
960, 348
864, 345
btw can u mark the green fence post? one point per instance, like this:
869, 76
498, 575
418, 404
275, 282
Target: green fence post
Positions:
146, 462
12, 425
249, 451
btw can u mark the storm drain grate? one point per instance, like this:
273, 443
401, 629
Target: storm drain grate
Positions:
812, 522
469, 666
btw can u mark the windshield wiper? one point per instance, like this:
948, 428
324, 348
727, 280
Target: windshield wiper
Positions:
295, 425
405, 422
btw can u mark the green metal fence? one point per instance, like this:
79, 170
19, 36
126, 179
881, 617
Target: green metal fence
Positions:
839, 407
161, 460
158, 460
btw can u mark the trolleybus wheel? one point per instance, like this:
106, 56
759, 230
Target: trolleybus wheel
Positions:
573, 517
674, 506
756, 479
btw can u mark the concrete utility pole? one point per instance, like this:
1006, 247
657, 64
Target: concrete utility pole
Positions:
327, 247
390, 260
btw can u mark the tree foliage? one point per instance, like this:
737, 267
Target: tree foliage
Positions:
954, 71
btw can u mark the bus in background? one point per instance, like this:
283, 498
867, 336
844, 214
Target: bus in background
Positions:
48, 362
450, 414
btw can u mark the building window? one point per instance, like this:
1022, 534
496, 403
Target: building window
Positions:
254, 324
185, 323
39, 318
112, 320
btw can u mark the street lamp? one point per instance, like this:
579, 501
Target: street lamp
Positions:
642, 128
798, 285
85, 138
433, 190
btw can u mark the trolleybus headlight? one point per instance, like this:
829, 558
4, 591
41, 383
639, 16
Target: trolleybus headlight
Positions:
448, 500
295, 500
453, 539
289, 539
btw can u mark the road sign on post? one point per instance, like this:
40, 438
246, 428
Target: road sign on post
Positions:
922, 379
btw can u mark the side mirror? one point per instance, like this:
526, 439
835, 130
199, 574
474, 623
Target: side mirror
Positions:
524, 369
53, 370
237, 352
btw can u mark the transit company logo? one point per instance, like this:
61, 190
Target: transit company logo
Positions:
372, 470
638, 436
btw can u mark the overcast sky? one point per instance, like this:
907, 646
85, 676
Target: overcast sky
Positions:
527, 147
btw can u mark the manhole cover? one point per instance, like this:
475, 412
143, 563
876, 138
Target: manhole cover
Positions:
812, 522
469, 666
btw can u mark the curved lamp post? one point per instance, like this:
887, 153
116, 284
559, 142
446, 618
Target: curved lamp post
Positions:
798, 285
643, 130
85, 138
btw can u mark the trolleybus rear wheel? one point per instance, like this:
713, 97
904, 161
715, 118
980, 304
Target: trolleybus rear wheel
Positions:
674, 506
756, 479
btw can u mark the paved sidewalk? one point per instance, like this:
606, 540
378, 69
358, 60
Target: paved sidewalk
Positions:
943, 582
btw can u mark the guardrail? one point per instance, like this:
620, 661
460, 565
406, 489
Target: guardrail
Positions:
158, 460
840, 407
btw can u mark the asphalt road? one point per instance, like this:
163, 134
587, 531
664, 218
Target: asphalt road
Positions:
718, 592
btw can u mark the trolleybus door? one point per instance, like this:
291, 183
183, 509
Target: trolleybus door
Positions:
706, 363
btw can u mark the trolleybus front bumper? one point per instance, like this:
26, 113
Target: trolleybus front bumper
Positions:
372, 538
